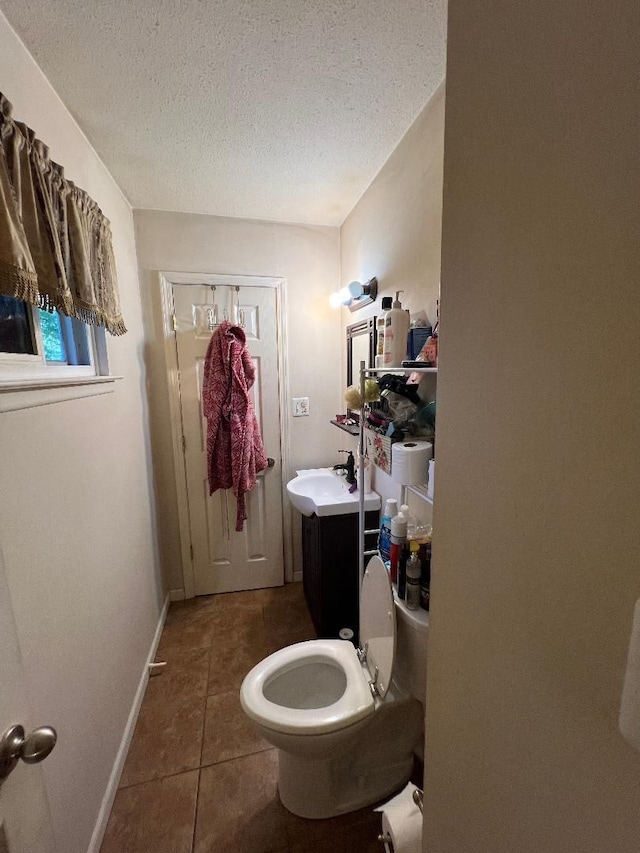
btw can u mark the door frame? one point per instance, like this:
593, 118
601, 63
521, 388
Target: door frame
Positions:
167, 280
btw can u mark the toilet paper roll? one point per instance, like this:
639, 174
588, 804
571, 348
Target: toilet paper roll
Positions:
405, 833
402, 822
409, 462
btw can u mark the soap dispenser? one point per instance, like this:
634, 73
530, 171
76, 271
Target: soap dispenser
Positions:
396, 329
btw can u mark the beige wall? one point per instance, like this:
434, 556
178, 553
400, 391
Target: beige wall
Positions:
394, 233
537, 539
76, 522
308, 258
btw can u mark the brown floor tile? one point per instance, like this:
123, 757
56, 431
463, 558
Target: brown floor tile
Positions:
241, 625
185, 634
228, 732
250, 598
167, 739
153, 817
184, 677
281, 639
232, 659
288, 612
238, 807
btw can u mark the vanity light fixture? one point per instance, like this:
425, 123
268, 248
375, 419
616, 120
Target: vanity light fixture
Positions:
355, 295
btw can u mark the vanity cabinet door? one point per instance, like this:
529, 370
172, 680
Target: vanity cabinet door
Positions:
330, 570
311, 562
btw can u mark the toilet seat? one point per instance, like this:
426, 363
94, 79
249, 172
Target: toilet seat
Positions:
355, 703
378, 626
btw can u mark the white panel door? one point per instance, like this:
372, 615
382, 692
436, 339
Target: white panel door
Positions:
25, 821
225, 560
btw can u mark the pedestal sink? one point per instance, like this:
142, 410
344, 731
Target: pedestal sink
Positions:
323, 491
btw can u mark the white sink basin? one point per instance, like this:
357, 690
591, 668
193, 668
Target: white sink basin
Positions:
325, 492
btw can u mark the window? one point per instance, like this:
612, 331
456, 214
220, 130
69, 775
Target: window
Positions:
37, 344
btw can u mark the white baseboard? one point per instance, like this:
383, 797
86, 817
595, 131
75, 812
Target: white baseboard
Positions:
176, 595
116, 772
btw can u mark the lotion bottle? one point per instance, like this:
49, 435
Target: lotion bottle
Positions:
396, 329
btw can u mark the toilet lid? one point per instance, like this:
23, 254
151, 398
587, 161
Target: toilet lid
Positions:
378, 622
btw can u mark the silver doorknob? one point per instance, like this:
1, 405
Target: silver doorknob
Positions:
31, 749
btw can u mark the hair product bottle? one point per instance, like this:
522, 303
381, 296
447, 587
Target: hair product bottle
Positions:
398, 555
396, 329
384, 539
414, 573
380, 324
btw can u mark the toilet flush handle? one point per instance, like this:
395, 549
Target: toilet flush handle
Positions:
373, 684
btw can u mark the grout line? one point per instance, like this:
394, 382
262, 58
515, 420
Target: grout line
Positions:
158, 778
204, 727
195, 814
237, 757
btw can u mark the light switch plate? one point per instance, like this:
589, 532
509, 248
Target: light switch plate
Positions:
300, 407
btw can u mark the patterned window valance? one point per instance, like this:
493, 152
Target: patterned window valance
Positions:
55, 242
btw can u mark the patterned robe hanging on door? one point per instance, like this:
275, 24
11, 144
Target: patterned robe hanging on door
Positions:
235, 453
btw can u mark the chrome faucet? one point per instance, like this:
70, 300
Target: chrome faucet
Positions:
349, 467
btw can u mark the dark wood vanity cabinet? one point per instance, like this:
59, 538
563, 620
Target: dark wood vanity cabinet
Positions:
330, 569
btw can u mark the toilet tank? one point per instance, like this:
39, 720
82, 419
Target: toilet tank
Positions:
410, 664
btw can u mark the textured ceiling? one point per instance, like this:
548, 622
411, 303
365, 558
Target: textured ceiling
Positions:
269, 109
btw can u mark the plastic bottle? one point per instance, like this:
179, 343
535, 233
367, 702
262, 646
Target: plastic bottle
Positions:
402, 571
398, 545
384, 539
414, 573
412, 524
380, 324
396, 329
425, 580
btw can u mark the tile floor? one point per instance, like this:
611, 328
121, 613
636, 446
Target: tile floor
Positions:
197, 778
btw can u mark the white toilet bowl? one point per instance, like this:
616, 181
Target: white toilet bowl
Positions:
341, 745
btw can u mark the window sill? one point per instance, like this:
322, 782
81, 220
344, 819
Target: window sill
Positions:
18, 394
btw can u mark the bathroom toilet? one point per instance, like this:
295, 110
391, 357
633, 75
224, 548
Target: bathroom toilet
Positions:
345, 722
